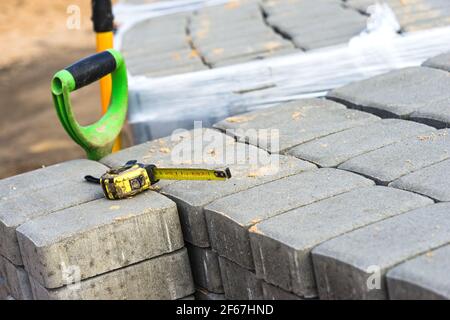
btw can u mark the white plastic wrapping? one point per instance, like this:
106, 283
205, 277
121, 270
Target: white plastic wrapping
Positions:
160, 105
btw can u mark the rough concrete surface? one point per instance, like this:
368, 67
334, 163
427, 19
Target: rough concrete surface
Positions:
425, 277
230, 218
282, 245
365, 255
98, 237
167, 277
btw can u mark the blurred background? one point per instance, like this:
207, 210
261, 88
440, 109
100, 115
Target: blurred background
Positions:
36, 44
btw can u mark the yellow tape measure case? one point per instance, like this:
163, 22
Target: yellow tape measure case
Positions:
125, 182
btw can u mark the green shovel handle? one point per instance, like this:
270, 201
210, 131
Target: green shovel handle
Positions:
96, 139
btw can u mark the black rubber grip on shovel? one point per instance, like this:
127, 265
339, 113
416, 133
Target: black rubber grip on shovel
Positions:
102, 16
92, 68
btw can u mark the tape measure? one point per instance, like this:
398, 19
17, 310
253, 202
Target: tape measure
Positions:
134, 178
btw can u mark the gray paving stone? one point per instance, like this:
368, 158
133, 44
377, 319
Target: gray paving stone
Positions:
171, 59
249, 165
309, 32
271, 292
432, 181
223, 36
98, 237
26, 182
422, 278
428, 24
202, 294
423, 11
299, 7
436, 113
362, 5
215, 55
318, 23
230, 218
439, 62
174, 151
16, 281
142, 43
167, 277
193, 67
53, 195
239, 283
321, 43
242, 9
157, 50
332, 150
297, 122
268, 40
353, 266
205, 269
192, 196
282, 245
256, 57
3, 289
398, 93
398, 159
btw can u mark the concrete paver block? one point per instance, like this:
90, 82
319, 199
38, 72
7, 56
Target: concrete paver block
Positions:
436, 113
398, 159
271, 292
59, 191
202, 294
256, 57
354, 265
439, 62
3, 289
229, 219
332, 150
167, 277
397, 93
47, 177
192, 196
432, 181
205, 269
98, 237
240, 50
16, 281
297, 122
177, 150
282, 245
239, 283
207, 148
422, 278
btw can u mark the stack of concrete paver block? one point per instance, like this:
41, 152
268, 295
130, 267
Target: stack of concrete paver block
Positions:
221, 34
246, 30
349, 201
364, 242
193, 196
412, 15
29, 196
160, 47
60, 239
423, 98
314, 24
268, 242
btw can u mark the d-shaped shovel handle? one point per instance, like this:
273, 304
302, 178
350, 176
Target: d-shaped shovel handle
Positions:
96, 139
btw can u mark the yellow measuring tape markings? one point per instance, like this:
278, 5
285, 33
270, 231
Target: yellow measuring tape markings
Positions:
189, 174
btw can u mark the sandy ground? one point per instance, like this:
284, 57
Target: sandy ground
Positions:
36, 44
